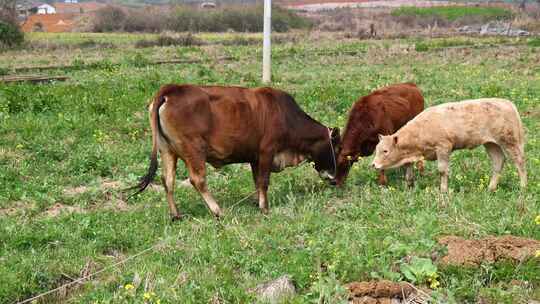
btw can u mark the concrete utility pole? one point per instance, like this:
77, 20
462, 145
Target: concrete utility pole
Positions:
267, 49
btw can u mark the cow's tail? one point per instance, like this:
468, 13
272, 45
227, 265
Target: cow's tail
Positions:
158, 101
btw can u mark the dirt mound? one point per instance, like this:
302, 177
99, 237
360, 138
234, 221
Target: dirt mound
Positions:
490, 249
382, 292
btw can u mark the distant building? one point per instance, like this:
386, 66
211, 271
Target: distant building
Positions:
46, 9
74, 7
26, 9
208, 5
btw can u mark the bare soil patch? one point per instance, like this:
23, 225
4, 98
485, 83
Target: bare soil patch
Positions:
58, 209
379, 292
104, 185
16, 208
75, 191
490, 249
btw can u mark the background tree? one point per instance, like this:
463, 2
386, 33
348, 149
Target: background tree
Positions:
8, 11
10, 33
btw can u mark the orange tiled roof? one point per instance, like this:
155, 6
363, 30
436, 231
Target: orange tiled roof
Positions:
52, 23
78, 8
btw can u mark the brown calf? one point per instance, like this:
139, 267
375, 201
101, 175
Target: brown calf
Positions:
223, 125
383, 111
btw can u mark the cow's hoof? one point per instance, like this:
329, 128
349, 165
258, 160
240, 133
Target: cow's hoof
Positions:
265, 211
218, 215
176, 217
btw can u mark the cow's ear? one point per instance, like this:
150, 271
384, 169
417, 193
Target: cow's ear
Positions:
380, 137
335, 133
395, 140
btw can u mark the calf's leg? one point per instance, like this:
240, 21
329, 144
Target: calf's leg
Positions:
409, 175
443, 157
517, 154
168, 161
420, 166
496, 155
382, 178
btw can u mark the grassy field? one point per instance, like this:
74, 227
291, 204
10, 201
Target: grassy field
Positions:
453, 13
68, 148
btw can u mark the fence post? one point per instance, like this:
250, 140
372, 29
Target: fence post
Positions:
267, 49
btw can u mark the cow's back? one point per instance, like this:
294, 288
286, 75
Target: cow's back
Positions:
401, 102
242, 120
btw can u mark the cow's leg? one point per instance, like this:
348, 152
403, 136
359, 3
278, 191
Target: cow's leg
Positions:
517, 155
443, 157
409, 175
382, 180
263, 179
254, 174
496, 155
197, 176
168, 161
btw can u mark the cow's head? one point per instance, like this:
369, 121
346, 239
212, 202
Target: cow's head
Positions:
345, 160
352, 146
391, 153
324, 155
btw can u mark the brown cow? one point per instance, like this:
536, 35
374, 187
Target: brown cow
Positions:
223, 125
383, 111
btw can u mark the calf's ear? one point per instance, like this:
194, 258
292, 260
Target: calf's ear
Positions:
395, 140
380, 137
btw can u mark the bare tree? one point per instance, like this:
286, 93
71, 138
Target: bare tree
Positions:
8, 11
522, 4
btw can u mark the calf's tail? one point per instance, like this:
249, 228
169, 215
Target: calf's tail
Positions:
521, 130
158, 101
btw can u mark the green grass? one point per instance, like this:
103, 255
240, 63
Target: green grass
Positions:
453, 13
94, 128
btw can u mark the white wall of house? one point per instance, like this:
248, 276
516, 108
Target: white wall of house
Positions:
46, 9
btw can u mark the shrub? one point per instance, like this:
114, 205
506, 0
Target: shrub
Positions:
245, 18
110, 19
10, 35
167, 40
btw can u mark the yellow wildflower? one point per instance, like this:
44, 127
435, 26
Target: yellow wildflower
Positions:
537, 219
537, 254
147, 296
129, 287
434, 284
